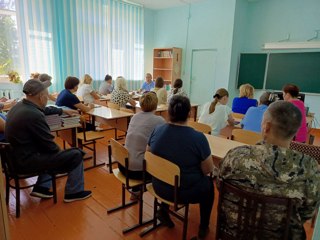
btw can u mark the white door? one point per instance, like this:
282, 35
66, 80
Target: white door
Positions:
202, 75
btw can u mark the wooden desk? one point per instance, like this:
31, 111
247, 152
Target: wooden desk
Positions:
220, 147
162, 110
115, 118
68, 134
4, 226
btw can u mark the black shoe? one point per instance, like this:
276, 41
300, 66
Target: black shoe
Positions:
77, 196
203, 232
164, 218
41, 192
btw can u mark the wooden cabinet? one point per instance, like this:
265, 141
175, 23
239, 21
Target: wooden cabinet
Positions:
167, 64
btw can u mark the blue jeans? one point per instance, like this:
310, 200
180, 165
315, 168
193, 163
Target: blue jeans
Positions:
68, 161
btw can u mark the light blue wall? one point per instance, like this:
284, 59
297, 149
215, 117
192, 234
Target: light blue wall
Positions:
210, 26
272, 20
231, 27
239, 34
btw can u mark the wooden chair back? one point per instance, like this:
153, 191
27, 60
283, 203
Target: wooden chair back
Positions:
162, 169
200, 127
245, 136
119, 153
113, 105
250, 214
237, 115
311, 150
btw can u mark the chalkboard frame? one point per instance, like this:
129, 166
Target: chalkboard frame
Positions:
263, 81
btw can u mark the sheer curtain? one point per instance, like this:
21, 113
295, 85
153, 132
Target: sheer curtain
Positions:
75, 37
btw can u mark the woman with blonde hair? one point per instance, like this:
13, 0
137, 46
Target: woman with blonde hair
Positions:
85, 91
140, 128
216, 113
120, 95
245, 100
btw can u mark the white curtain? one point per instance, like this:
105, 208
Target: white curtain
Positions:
76, 37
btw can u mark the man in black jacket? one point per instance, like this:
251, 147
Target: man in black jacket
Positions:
34, 148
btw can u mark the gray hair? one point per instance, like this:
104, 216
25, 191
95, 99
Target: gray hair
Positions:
44, 77
285, 118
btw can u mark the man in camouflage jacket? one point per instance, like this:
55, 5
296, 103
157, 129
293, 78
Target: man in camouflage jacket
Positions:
271, 168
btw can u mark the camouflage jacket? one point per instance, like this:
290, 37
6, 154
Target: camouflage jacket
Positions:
272, 170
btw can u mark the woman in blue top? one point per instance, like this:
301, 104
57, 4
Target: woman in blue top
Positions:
245, 100
67, 97
189, 149
253, 118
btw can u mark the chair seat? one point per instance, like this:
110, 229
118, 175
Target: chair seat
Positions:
151, 190
122, 178
91, 135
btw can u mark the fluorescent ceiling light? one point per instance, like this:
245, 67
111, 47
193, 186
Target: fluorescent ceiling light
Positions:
291, 45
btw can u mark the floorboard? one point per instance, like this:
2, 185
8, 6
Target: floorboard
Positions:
88, 219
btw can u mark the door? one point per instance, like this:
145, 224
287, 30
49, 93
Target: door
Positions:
202, 75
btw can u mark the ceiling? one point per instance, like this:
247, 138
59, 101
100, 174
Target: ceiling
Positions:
161, 4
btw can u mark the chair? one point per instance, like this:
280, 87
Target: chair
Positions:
245, 136
169, 173
117, 107
113, 105
200, 127
312, 151
86, 138
237, 115
121, 155
250, 214
11, 174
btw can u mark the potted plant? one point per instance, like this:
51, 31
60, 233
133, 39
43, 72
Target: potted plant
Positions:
14, 77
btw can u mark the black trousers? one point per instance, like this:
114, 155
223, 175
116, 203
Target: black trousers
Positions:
137, 175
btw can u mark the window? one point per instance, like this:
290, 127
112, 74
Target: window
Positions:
9, 43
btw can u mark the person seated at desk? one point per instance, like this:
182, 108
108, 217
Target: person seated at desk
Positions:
271, 168
176, 90
148, 84
189, 149
34, 148
245, 100
217, 114
86, 92
290, 94
120, 94
6, 104
67, 98
45, 77
253, 118
106, 86
140, 128
160, 91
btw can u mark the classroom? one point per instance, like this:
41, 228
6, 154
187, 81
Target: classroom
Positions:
202, 42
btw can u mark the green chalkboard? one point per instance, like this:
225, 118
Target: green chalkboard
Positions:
301, 69
252, 67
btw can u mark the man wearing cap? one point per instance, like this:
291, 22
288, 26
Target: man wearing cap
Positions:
34, 148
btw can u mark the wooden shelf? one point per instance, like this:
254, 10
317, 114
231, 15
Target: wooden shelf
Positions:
163, 69
163, 57
167, 64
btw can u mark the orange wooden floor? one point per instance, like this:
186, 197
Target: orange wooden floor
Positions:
88, 219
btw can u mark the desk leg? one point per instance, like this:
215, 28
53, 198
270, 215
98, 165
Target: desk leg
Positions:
195, 113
